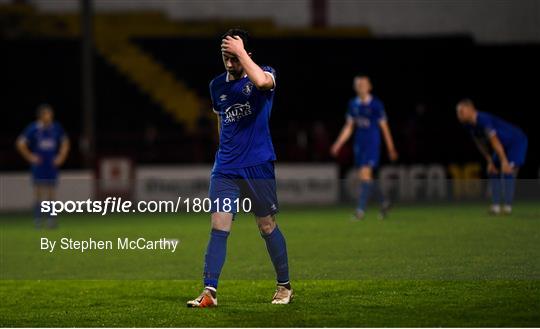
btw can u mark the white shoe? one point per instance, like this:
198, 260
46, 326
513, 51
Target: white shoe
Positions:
507, 209
359, 214
383, 211
205, 299
282, 295
495, 209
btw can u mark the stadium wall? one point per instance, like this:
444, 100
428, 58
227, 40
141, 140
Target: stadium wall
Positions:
298, 184
502, 21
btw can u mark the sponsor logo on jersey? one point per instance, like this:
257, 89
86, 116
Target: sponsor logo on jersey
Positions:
46, 144
362, 122
235, 112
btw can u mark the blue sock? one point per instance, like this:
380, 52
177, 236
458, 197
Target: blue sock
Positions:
377, 191
215, 257
509, 188
365, 192
496, 188
277, 249
37, 214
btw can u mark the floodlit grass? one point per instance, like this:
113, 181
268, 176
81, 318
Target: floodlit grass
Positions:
437, 265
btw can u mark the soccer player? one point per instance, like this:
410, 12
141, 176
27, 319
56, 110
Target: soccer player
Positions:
45, 146
367, 118
509, 145
244, 166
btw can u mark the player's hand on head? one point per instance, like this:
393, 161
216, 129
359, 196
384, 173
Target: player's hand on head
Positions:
232, 45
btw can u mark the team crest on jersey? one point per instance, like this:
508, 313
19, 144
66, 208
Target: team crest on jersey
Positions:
248, 87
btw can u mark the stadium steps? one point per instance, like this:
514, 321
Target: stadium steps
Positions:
112, 37
113, 33
152, 78
25, 19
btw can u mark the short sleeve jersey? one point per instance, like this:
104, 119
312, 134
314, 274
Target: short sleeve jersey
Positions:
244, 113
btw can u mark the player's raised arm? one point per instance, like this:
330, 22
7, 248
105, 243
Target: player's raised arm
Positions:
389, 141
343, 137
234, 46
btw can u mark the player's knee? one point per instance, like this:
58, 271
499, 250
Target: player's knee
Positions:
39, 193
266, 225
365, 174
222, 221
51, 193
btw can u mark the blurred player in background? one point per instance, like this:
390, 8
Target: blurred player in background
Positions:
367, 118
242, 98
503, 145
45, 146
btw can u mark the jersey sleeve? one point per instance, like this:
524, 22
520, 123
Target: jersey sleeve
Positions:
211, 89
349, 114
380, 113
272, 73
486, 125
27, 135
61, 133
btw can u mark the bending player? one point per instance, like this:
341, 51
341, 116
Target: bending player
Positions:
366, 117
509, 145
45, 146
244, 166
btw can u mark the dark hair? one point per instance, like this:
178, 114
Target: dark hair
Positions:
466, 101
43, 107
242, 34
362, 76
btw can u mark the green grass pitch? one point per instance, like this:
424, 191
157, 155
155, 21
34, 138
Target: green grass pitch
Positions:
433, 265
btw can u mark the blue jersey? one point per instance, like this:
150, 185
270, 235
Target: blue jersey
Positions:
244, 111
366, 117
488, 125
43, 140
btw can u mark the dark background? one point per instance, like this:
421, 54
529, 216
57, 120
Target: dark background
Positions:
418, 79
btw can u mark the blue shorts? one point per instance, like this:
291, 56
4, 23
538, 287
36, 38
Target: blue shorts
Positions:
258, 183
46, 174
367, 155
516, 154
